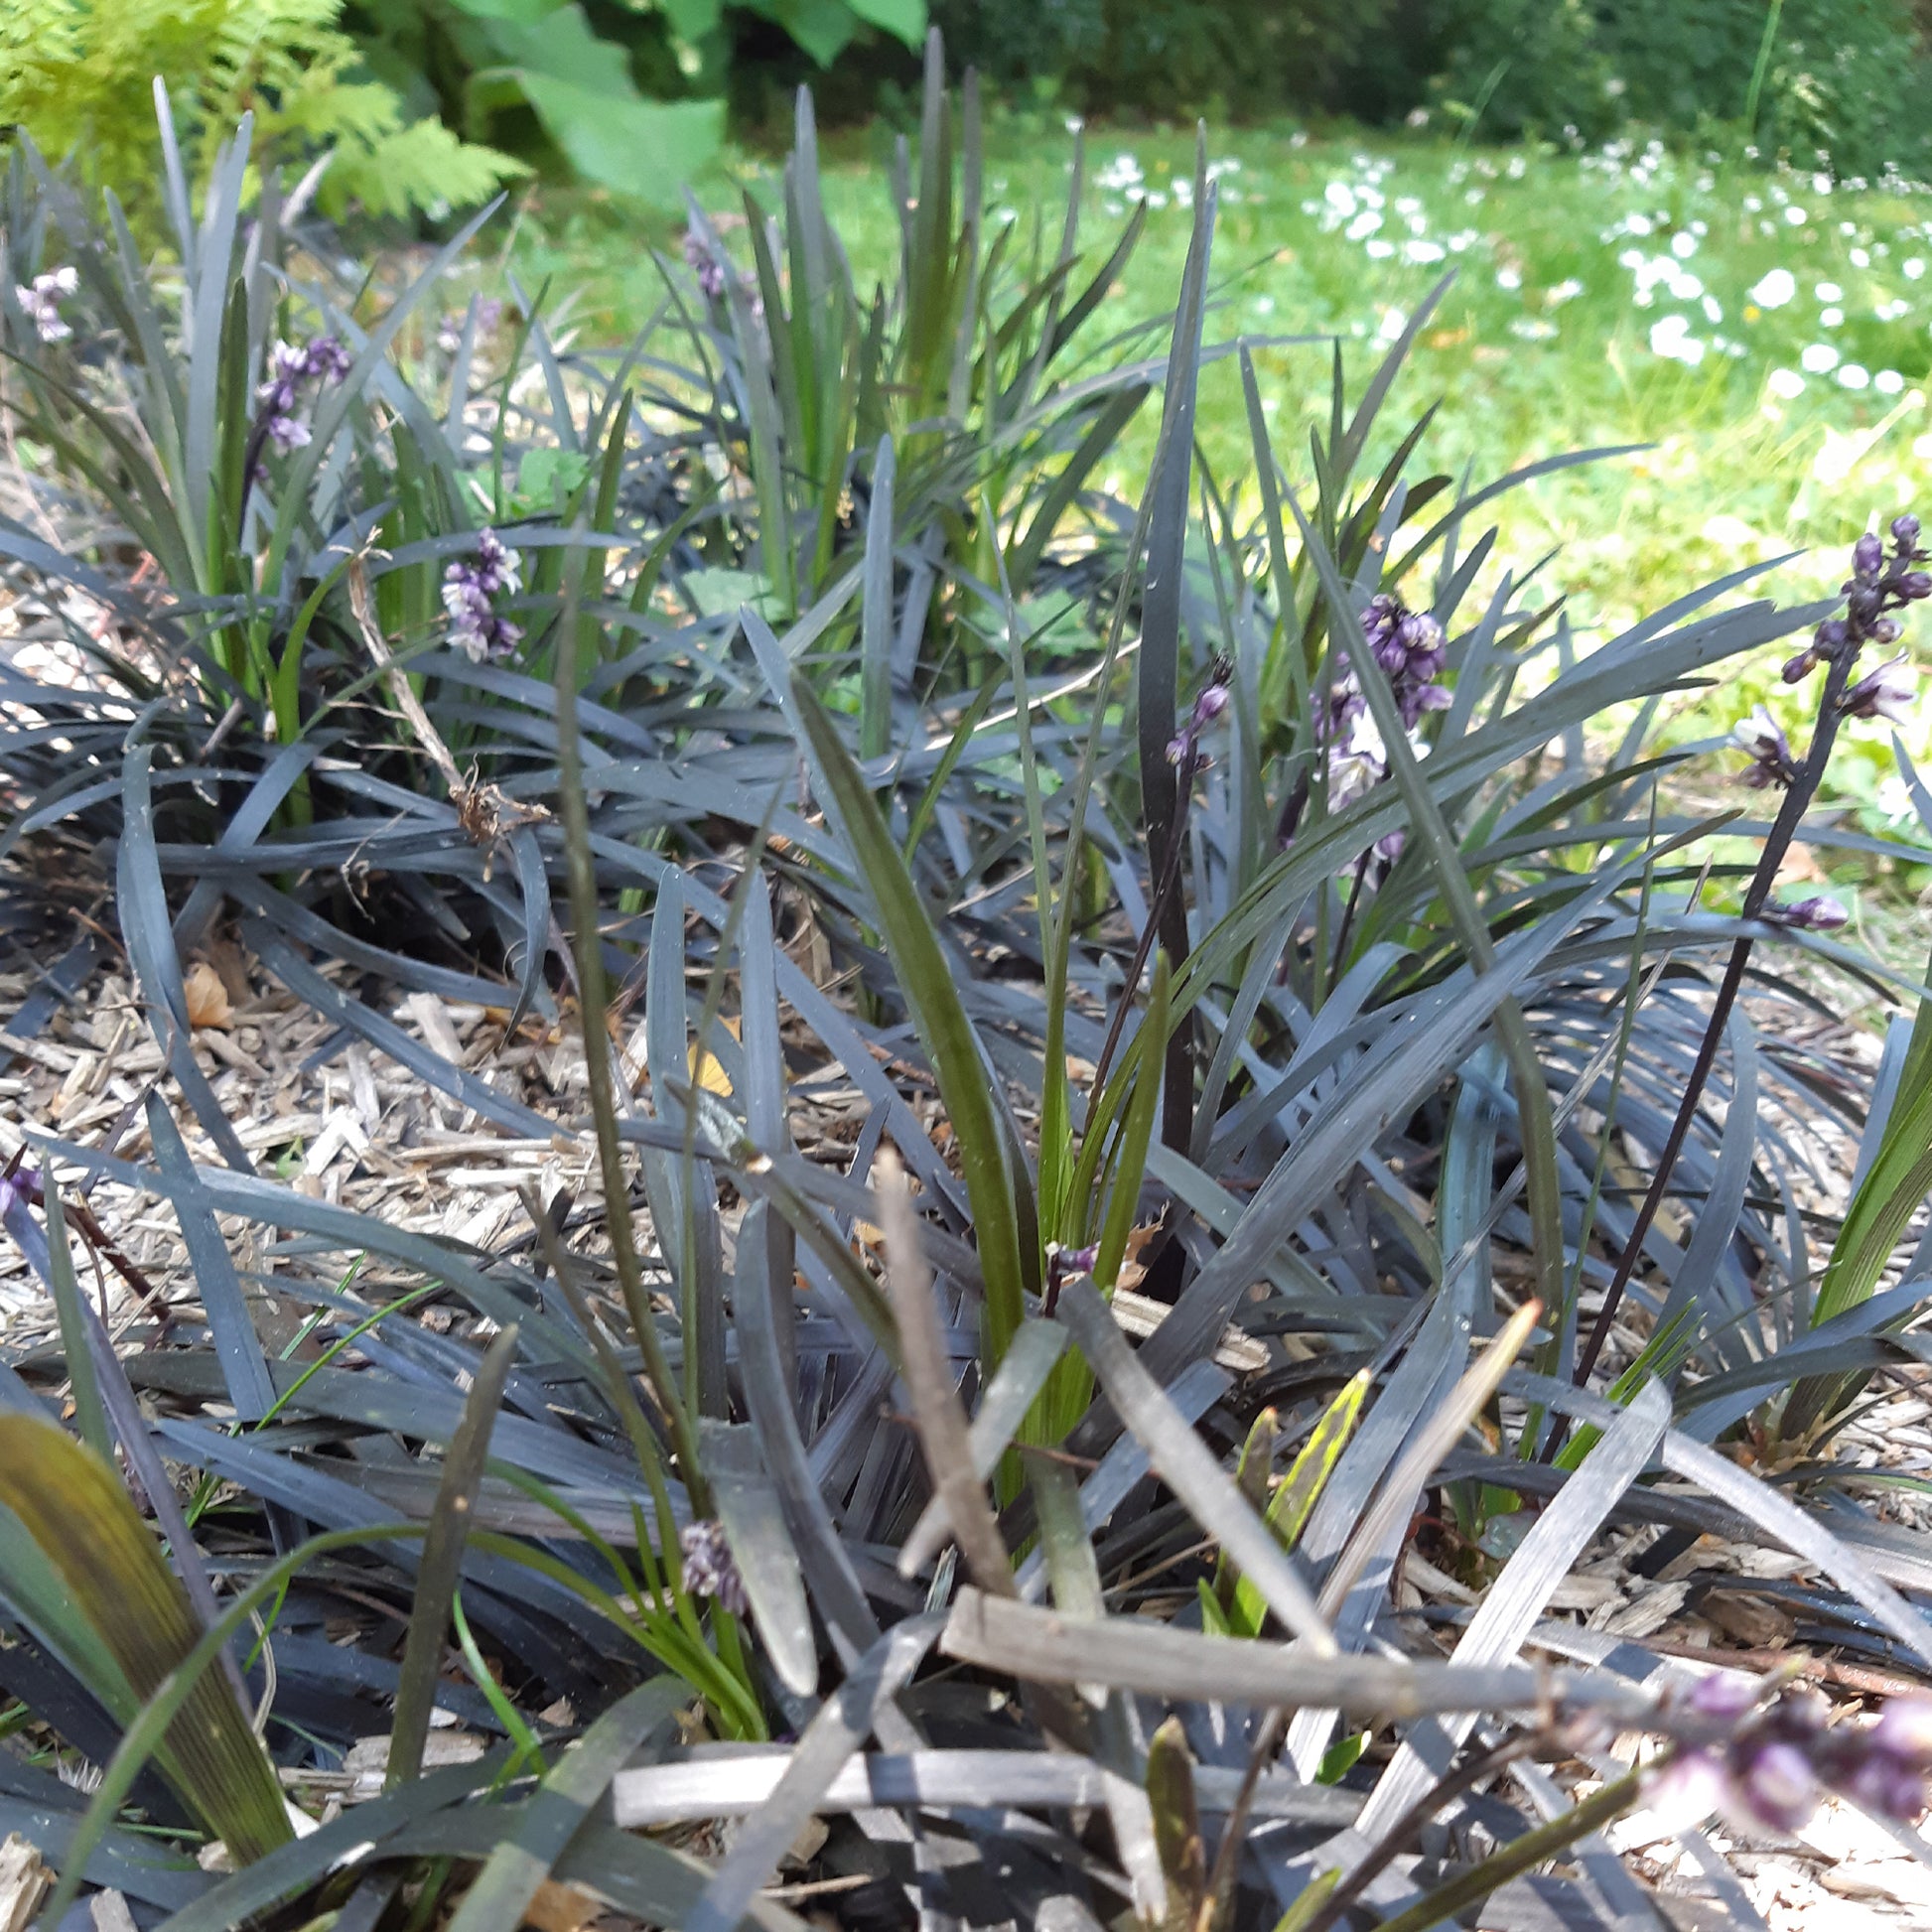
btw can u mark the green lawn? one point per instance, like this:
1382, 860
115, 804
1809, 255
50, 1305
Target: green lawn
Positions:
1765, 335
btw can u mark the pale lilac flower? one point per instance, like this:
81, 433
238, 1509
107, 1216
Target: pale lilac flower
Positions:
1904, 1728
42, 298
1763, 739
1686, 1791
710, 1569
1886, 692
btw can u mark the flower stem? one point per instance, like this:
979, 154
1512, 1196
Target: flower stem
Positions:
1533, 1849
1783, 829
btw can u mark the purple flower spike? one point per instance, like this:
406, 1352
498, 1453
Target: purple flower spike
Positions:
709, 1568
475, 627
709, 269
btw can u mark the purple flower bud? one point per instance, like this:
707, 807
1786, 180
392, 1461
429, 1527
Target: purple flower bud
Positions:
1885, 1785
1885, 630
1797, 669
1867, 556
1179, 747
1380, 616
1212, 701
1830, 637
1905, 1729
1388, 848
326, 359
1819, 914
1777, 1786
1886, 692
709, 1568
1689, 1788
1904, 532
1915, 584
1415, 699
287, 432
1723, 1696
24, 1184
1864, 602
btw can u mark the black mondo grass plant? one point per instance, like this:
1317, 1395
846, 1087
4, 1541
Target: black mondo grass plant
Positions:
1311, 1119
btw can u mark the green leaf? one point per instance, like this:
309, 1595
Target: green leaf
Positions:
561, 42
74, 1507
547, 475
821, 27
645, 148
903, 19
1293, 1502
1896, 1181
926, 977
522, 13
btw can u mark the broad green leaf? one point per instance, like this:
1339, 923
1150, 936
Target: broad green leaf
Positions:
821, 27
74, 1507
645, 148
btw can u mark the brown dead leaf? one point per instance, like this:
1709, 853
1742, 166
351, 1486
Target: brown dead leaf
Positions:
1133, 1270
1750, 1620
208, 1003
561, 1908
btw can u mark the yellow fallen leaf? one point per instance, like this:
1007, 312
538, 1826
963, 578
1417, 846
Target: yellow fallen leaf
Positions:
709, 1075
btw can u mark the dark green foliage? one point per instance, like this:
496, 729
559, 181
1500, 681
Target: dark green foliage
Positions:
1845, 81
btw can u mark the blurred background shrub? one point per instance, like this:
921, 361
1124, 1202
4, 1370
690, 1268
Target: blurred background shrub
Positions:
430, 104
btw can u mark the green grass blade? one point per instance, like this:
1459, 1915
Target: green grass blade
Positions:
442, 1564
927, 979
